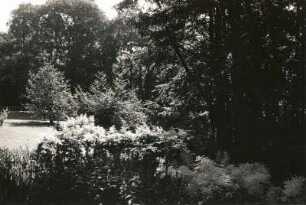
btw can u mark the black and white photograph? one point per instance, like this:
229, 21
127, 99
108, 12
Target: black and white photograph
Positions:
152, 102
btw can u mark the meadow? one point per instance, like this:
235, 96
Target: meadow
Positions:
22, 130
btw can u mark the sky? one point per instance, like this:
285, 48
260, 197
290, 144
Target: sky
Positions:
7, 6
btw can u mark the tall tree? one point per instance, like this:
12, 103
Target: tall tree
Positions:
243, 63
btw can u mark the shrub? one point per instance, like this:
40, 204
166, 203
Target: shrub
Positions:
111, 105
295, 189
252, 178
3, 115
210, 181
90, 163
148, 165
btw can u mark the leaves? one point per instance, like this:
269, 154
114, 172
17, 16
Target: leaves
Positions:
49, 94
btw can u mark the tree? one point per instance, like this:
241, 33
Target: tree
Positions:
73, 36
243, 62
48, 94
111, 105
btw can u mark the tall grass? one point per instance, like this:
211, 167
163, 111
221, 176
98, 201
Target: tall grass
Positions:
17, 172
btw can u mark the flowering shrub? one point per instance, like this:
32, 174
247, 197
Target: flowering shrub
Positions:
143, 166
88, 162
147, 165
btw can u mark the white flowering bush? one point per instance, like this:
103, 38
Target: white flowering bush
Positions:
90, 162
144, 165
147, 165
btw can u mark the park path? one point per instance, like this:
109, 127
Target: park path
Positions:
23, 133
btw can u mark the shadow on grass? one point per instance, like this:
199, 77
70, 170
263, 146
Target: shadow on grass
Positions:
30, 124
23, 115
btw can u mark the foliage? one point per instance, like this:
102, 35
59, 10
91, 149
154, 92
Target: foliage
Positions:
210, 182
253, 178
17, 173
235, 61
292, 191
141, 166
48, 94
232, 73
205, 181
74, 36
111, 105
295, 189
88, 162
223, 70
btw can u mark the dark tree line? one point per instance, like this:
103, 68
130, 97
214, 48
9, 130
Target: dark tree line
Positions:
230, 71
244, 63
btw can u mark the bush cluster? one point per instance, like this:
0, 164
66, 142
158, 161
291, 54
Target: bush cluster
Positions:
89, 164
108, 166
49, 95
111, 105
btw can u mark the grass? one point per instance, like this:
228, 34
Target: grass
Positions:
21, 130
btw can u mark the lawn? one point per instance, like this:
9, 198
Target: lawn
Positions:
22, 130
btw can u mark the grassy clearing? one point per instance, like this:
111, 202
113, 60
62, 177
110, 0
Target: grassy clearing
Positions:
22, 130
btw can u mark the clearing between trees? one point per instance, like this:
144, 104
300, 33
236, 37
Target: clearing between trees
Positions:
22, 130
